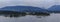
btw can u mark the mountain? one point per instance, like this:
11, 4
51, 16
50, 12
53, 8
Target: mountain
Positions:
55, 8
23, 9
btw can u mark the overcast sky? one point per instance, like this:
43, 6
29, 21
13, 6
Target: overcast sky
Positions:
37, 3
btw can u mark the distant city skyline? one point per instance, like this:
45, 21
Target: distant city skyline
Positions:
38, 3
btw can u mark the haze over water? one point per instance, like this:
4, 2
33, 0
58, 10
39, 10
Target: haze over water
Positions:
54, 17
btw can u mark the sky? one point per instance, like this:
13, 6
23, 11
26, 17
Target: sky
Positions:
36, 3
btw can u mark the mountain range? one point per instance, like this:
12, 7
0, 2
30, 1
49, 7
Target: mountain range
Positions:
54, 8
23, 9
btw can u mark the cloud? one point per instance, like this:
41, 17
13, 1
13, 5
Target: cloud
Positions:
37, 3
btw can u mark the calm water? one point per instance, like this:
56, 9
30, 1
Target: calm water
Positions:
54, 17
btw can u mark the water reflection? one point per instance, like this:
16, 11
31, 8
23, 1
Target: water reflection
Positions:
23, 18
14, 15
7, 15
53, 17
